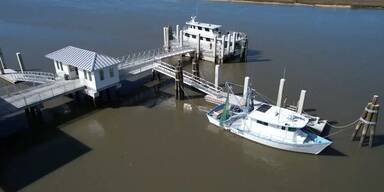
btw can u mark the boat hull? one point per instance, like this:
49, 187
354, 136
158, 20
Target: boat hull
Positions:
314, 148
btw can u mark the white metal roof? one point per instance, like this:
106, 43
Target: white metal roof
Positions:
82, 59
205, 25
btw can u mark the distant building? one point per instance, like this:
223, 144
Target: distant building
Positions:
96, 71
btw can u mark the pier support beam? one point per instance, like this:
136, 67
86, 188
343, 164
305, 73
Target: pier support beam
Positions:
179, 89
217, 73
245, 90
280, 93
195, 68
2, 63
21, 62
368, 121
300, 104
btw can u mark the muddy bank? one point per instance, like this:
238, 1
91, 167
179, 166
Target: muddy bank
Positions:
319, 3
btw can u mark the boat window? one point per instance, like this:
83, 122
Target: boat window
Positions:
201, 38
90, 76
283, 128
208, 39
262, 122
199, 28
206, 29
263, 108
291, 129
194, 36
187, 35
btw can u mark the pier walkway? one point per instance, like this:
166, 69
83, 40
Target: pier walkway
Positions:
136, 63
28, 76
37, 94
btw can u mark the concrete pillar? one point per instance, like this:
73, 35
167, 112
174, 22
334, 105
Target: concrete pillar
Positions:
222, 50
229, 44
214, 49
246, 85
198, 47
233, 42
181, 38
300, 104
280, 93
217, 73
20, 60
166, 38
177, 32
2, 63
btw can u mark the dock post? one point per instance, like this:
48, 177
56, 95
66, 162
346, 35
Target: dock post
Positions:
217, 73
20, 60
280, 93
181, 38
214, 49
301, 102
195, 68
198, 47
2, 63
245, 90
179, 81
166, 38
177, 32
233, 42
229, 44
222, 50
244, 51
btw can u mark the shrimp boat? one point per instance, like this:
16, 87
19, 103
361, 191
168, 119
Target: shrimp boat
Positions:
268, 124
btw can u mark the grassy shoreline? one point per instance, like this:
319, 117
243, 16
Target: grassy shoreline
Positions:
354, 4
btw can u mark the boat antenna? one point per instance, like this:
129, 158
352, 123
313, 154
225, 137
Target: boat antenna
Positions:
285, 71
197, 9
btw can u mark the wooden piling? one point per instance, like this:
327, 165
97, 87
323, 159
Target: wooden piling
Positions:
367, 122
179, 91
195, 68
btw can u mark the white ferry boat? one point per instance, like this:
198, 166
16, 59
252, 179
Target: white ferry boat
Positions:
211, 43
269, 125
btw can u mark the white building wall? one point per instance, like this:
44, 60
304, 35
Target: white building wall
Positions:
108, 80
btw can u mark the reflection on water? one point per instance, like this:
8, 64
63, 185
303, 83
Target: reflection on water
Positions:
145, 141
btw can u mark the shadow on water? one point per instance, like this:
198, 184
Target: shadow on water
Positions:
330, 151
256, 56
32, 153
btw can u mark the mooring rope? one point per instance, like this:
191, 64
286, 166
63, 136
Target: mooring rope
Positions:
343, 126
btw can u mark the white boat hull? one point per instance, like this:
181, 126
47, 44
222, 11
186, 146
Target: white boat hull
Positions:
314, 148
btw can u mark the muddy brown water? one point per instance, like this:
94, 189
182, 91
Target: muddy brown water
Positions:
145, 141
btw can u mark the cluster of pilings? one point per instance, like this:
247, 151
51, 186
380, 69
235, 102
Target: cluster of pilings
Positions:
367, 122
3, 65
